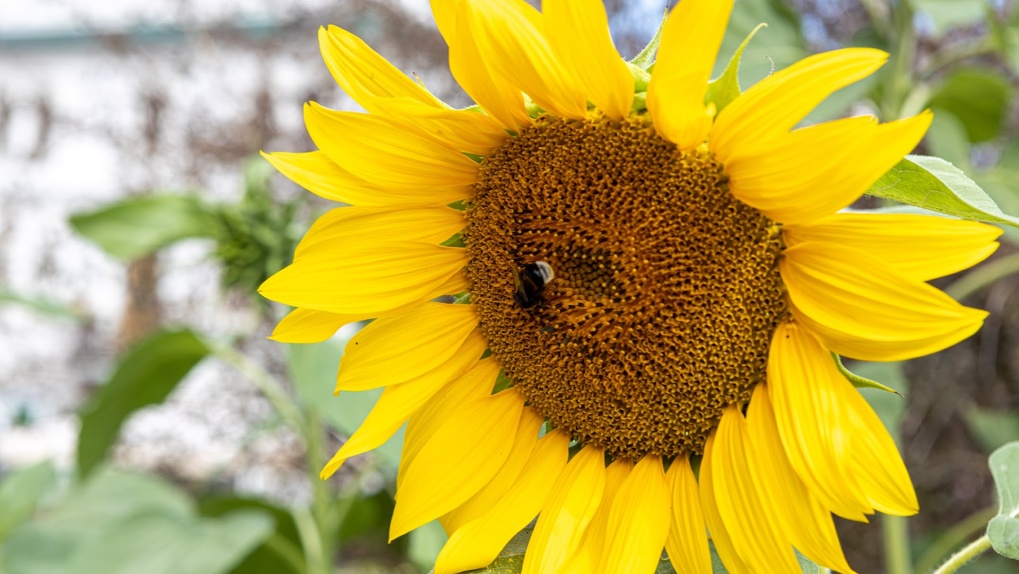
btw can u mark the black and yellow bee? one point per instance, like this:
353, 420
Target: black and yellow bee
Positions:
529, 283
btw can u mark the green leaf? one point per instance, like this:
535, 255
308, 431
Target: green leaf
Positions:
120, 523
159, 544
947, 139
20, 493
313, 370
934, 184
1003, 529
425, 544
48, 545
725, 88
280, 553
979, 99
859, 381
138, 226
992, 429
144, 376
39, 304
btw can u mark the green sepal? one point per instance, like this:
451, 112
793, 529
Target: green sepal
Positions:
456, 241
645, 60
502, 382
858, 381
935, 184
725, 88
639, 103
641, 78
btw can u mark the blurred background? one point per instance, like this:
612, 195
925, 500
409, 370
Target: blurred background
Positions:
148, 425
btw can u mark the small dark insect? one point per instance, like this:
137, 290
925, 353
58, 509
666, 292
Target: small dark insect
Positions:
530, 281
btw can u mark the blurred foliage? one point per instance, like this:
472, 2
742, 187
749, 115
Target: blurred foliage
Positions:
145, 375
1003, 530
254, 237
257, 235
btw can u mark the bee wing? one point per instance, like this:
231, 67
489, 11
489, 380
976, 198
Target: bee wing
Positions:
518, 283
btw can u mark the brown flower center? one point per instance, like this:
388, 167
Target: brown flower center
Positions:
665, 293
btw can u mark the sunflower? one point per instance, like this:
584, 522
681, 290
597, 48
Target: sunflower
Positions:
602, 298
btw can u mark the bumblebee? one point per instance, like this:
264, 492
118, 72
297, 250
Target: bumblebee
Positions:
529, 283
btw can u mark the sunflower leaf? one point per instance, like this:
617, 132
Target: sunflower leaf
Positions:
145, 375
859, 381
934, 184
134, 227
725, 88
1003, 529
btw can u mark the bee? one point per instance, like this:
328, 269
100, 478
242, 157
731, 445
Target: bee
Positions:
529, 283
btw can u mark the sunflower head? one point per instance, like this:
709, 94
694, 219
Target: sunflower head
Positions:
644, 275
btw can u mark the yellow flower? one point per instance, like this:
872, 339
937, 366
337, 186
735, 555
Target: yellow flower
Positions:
702, 275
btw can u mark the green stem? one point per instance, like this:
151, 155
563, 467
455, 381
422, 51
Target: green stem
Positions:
971, 551
263, 381
954, 537
321, 498
900, 80
286, 550
311, 541
895, 532
984, 276
878, 14
950, 56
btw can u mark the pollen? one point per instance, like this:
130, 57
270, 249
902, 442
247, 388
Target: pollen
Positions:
666, 288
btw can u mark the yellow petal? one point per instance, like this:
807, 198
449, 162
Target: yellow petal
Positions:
862, 309
364, 74
815, 171
578, 31
675, 97
398, 402
639, 521
463, 130
789, 502
810, 416
477, 543
486, 498
367, 225
567, 512
318, 174
510, 38
388, 154
458, 460
687, 543
495, 93
474, 384
876, 462
310, 326
366, 279
588, 557
763, 547
397, 348
720, 537
777, 103
918, 247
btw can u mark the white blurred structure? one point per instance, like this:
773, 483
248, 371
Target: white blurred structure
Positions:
101, 100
